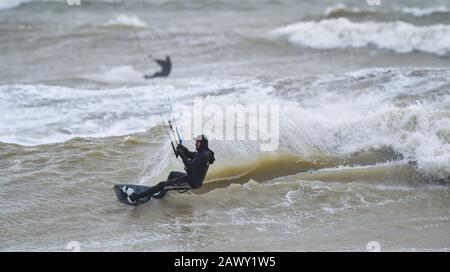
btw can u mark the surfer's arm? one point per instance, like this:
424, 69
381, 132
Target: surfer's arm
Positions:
161, 63
183, 156
194, 163
186, 151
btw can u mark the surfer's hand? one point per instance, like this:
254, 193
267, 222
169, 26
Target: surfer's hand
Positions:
180, 146
179, 149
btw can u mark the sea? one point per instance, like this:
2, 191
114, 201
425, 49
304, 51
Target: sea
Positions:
360, 91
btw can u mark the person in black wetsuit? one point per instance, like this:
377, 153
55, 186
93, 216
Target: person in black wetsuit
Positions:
196, 166
166, 67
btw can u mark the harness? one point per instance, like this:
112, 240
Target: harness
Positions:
181, 188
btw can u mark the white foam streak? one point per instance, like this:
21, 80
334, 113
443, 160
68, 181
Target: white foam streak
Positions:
120, 74
124, 20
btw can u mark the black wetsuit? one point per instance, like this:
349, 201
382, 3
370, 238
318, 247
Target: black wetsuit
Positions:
196, 165
166, 67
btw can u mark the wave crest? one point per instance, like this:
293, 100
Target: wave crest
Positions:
397, 36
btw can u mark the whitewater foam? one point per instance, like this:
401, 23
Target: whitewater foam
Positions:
372, 120
39, 114
333, 115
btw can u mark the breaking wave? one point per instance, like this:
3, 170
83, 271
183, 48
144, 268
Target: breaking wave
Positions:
398, 36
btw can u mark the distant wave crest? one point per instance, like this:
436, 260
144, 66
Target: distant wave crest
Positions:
398, 36
342, 10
